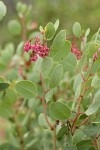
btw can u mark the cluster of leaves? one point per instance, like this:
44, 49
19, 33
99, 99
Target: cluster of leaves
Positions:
57, 97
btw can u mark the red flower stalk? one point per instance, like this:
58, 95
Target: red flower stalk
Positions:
77, 52
74, 48
95, 55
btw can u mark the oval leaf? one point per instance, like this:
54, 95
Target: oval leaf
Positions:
14, 27
92, 49
61, 132
60, 111
56, 25
70, 147
87, 32
95, 82
93, 108
70, 62
56, 76
6, 110
91, 130
46, 66
26, 88
49, 31
42, 121
3, 10
77, 29
84, 145
60, 47
3, 86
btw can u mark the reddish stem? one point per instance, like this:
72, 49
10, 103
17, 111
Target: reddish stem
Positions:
44, 103
83, 122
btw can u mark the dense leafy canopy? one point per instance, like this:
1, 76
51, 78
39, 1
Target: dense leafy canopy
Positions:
55, 94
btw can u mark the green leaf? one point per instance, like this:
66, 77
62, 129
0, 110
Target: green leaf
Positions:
91, 130
98, 72
3, 86
46, 144
42, 121
96, 97
92, 49
26, 119
77, 29
56, 76
92, 109
87, 32
10, 96
2, 79
78, 136
77, 94
6, 111
10, 46
78, 80
49, 95
19, 49
95, 105
56, 25
41, 29
60, 47
69, 63
77, 87
6, 55
70, 139
21, 8
95, 82
95, 67
81, 63
3, 10
37, 70
26, 57
84, 145
14, 27
63, 53
12, 74
46, 66
37, 66
31, 142
92, 148
7, 146
61, 132
49, 31
26, 88
70, 147
60, 111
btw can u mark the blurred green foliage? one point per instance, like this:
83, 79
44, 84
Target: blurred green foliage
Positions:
68, 11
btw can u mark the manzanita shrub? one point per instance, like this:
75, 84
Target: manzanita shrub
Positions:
49, 88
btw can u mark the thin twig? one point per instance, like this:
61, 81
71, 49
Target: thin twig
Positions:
44, 103
83, 122
95, 142
45, 114
79, 101
24, 30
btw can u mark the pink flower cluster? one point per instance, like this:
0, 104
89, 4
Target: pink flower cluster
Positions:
37, 48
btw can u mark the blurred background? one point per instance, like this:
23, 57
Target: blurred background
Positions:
43, 11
